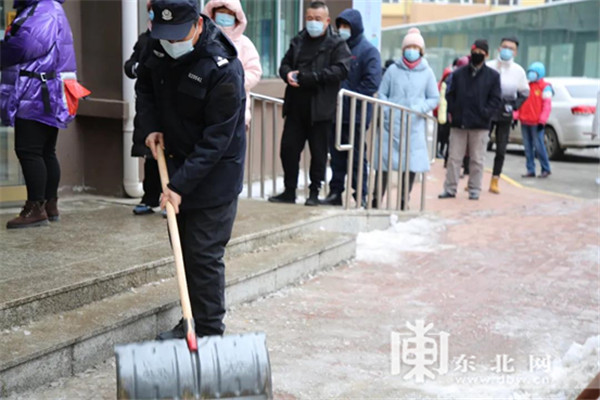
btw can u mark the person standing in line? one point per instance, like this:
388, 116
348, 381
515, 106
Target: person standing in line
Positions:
37, 58
460, 62
411, 83
473, 97
230, 17
151, 184
533, 114
191, 101
316, 63
515, 90
364, 78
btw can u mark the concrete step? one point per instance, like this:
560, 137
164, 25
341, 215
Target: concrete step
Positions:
104, 267
70, 342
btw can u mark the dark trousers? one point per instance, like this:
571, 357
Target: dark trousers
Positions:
502, 132
339, 161
296, 131
442, 140
151, 184
35, 145
204, 234
384, 178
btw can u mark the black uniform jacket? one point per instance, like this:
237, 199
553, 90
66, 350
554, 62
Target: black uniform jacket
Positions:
198, 102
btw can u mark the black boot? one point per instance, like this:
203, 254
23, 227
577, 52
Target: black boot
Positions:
178, 332
288, 196
333, 199
313, 198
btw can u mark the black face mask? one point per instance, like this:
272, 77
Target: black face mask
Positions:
477, 58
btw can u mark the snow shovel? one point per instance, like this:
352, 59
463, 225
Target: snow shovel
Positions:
214, 367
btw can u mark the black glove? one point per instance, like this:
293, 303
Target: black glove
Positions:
308, 79
514, 123
131, 68
540, 127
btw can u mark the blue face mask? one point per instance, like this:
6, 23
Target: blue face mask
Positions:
345, 33
412, 55
532, 76
506, 54
178, 49
224, 20
315, 28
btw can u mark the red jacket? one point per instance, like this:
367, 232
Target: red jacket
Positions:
536, 109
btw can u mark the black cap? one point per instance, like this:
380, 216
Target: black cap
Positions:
173, 19
481, 44
511, 39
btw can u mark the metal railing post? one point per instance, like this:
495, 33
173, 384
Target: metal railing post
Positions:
361, 155
388, 199
249, 152
274, 160
401, 159
374, 122
404, 189
265, 101
263, 147
380, 159
350, 144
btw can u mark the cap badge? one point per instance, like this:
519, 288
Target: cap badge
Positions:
167, 15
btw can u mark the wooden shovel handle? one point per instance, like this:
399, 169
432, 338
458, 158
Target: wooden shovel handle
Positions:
184, 295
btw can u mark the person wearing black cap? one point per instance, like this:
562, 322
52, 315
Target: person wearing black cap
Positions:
316, 63
191, 101
473, 97
364, 78
515, 90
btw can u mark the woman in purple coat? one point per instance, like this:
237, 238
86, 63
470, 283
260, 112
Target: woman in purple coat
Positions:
37, 57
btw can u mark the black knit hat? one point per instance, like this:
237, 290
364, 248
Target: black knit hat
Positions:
511, 39
481, 44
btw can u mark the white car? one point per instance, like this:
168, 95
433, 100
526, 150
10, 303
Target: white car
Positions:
574, 104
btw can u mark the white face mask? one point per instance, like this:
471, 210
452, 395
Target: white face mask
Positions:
178, 49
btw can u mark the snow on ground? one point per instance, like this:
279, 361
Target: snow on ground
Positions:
420, 234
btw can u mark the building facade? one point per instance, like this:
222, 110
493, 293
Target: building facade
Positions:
93, 150
564, 35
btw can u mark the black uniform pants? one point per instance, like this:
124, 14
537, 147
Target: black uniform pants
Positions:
151, 184
35, 146
502, 132
204, 234
296, 131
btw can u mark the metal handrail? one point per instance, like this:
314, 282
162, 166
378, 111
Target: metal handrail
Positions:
377, 126
275, 103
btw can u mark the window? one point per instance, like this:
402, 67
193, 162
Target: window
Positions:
583, 91
271, 26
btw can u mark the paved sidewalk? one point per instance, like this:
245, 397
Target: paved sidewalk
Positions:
512, 278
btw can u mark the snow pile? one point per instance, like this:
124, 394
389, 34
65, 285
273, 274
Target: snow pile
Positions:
571, 374
416, 235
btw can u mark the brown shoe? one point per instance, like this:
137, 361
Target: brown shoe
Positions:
52, 210
33, 214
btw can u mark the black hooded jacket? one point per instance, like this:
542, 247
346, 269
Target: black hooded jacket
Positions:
328, 69
198, 103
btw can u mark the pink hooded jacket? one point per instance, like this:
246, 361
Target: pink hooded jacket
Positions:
247, 52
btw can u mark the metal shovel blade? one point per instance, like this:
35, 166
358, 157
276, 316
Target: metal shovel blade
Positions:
225, 367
